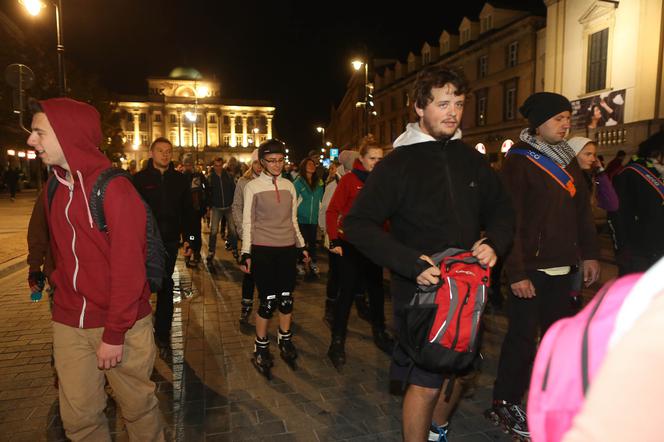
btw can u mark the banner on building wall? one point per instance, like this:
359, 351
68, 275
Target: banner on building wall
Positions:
605, 109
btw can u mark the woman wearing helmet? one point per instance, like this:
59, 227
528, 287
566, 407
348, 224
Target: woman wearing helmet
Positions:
271, 243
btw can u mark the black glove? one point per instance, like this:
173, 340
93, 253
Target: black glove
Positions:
37, 279
301, 251
244, 258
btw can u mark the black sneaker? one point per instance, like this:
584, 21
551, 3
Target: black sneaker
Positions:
337, 353
511, 417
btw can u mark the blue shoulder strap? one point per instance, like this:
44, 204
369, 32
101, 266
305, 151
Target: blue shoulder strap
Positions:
648, 176
549, 166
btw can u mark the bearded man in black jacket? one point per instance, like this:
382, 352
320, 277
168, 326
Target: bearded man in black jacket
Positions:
429, 213
168, 194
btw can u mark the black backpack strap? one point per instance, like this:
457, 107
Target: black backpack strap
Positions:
98, 192
51, 187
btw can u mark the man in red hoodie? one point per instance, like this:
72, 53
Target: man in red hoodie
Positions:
101, 317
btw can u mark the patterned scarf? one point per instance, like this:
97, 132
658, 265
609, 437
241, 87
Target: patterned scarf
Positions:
561, 153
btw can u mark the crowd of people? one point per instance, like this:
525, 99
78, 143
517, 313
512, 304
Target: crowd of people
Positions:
532, 219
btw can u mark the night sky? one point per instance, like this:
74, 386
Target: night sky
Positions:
294, 54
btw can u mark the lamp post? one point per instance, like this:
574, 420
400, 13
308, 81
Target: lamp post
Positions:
321, 131
357, 65
255, 131
34, 7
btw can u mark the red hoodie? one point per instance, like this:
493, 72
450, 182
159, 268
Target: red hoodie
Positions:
342, 200
99, 277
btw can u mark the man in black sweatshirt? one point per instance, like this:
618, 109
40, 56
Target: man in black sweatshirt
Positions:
167, 193
429, 213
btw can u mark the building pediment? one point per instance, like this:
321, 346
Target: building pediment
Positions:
598, 9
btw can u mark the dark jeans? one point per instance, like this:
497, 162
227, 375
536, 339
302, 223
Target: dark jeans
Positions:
194, 234
309, 233
526, 317
353, 266
163, 316
332, 289
12, 189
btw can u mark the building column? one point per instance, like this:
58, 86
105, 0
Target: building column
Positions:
245, 141
180, 140
232, 141
269, 127
137, 130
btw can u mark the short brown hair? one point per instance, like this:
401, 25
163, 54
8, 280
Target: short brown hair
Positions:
160, 140
435, 77
367, 143
218, 160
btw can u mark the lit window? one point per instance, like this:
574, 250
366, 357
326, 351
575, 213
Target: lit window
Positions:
597, 57
512, 54
483, 66
480, 148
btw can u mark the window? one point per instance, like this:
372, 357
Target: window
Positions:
509, 99
174, 119
144, 139
465, 35
512, 54
426, 57
486, 24
227, 139
213, 118
227, 121
142, 117
446, 46
597, 55
482, 66
157, 118
481, 116
130, 117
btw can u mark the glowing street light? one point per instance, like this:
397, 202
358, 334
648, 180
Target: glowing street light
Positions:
321, 131
34, 7
357, 65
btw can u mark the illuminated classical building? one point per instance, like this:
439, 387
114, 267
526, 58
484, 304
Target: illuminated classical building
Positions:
190, 111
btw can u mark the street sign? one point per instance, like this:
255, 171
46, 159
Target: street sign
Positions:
334, 153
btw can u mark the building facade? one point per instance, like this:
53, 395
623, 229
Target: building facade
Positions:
189, 110
501, 53
607, 56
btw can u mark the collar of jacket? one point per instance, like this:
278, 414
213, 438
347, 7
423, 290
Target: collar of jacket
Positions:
171, 166
414, 135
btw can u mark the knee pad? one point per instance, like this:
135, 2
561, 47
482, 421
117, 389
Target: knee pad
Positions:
286, 303
267, 307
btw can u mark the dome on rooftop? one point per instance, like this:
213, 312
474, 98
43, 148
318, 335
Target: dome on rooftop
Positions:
185, 73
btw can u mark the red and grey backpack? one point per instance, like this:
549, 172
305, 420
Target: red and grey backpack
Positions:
441, 324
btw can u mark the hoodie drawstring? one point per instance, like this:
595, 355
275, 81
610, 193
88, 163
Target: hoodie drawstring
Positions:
85, 196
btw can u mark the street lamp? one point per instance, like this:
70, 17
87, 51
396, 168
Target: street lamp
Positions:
34, 7
255, 131
321, 131
357, 65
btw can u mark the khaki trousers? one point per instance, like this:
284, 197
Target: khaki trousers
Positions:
82, 395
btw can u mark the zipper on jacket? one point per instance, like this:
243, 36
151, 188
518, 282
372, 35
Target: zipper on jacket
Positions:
451, 192
73, 249
276, 189
539, 243
458, 324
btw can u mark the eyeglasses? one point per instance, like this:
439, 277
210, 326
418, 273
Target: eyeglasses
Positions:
279, 161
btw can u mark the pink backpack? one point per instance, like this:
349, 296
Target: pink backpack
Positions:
568, 358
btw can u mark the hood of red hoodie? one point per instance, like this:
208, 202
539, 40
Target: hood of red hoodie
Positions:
78, 128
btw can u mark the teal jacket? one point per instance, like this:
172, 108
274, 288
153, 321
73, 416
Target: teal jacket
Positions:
308, 201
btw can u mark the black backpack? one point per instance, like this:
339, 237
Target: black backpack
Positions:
156, 253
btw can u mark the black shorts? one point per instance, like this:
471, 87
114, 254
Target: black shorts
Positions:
273, 269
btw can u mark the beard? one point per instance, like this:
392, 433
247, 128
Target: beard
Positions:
438, 131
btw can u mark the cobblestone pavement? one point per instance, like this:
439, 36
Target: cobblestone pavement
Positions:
207, 387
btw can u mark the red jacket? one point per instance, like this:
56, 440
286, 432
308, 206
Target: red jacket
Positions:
344, 196
99, 277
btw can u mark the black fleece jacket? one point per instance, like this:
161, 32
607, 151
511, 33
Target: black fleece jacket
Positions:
436, 194
169, 197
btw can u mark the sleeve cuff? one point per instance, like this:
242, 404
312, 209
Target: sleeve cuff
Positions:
113, 337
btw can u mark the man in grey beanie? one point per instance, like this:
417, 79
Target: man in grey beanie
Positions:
554, 227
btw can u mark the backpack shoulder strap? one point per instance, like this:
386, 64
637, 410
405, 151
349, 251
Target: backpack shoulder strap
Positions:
98, 192
51, 187
549, 166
